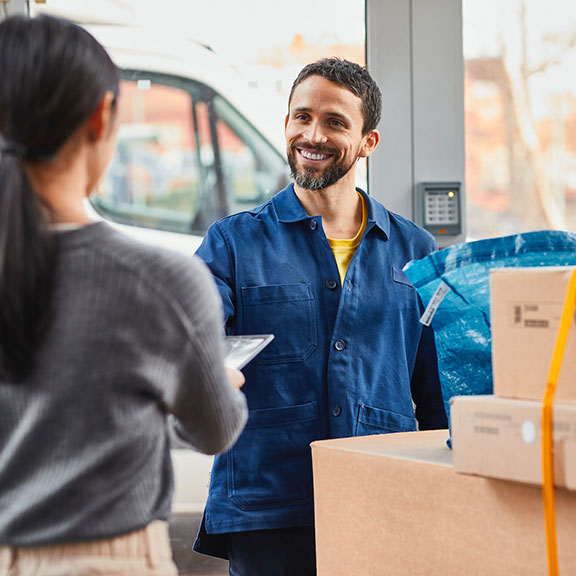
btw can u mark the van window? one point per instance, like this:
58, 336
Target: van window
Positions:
252, 170
185, 157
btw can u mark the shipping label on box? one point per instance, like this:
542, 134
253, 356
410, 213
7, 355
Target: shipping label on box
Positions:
502, 438
534, 315
525, 312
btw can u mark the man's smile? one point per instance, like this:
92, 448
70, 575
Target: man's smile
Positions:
314, 156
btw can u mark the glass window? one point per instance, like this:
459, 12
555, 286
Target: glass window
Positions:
520, 106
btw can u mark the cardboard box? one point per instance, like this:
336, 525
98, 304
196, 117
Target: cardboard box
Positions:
392, 505
502, 438
526, 306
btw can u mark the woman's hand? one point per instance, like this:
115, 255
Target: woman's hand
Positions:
235, 377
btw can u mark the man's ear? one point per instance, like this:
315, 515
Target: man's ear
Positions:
370, 142
286, 121
99, 123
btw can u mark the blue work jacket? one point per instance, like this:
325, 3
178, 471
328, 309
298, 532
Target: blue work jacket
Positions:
347, 360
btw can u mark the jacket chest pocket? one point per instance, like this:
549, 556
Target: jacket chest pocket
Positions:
402, 292
286, 310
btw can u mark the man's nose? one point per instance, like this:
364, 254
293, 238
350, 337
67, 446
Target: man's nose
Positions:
315, 133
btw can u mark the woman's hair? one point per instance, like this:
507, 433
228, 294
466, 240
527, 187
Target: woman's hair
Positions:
53, 76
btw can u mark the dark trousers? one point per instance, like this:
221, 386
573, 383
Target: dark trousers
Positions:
282, 552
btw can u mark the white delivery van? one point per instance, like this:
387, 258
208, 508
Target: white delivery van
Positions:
195, 143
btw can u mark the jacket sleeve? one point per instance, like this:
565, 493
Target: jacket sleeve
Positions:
425, 384
216, 254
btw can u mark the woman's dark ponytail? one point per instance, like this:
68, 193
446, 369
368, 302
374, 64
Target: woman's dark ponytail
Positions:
54, 74
26, 264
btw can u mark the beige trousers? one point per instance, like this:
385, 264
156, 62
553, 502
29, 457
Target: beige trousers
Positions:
145, 552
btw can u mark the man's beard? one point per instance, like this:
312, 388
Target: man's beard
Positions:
310, 179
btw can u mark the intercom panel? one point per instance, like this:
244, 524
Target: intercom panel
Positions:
439, 206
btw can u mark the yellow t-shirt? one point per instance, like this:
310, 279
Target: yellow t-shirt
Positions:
344, 248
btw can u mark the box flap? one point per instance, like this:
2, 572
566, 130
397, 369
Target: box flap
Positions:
427, 446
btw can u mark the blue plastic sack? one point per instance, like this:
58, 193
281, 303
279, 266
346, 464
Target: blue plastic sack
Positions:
461, 321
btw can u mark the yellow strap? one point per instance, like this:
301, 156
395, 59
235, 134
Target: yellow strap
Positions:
547, 432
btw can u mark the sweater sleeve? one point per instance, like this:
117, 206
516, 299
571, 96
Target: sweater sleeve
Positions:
210, 413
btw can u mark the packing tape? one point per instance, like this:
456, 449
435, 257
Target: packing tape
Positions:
547, 431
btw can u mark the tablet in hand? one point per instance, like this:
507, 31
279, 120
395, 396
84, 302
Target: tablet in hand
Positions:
239, 350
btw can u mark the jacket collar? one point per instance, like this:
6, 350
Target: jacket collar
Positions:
288, 209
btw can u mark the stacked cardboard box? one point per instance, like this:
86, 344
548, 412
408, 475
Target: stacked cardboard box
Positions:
502, 438
525, 309
500, 435
392, 504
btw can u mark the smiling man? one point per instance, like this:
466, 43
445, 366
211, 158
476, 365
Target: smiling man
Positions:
320, 267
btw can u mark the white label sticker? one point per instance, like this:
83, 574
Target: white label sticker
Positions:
528, 431
435, 301
144, 84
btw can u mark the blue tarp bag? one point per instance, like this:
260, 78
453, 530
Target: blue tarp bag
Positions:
454, 285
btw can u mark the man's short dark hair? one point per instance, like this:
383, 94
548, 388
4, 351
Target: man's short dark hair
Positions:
351, 76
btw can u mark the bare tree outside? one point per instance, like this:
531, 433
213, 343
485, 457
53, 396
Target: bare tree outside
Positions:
520, 117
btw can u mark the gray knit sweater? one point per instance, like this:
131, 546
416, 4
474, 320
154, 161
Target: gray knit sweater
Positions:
84, 447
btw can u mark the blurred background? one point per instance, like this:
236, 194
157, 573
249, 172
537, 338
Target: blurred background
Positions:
520, 94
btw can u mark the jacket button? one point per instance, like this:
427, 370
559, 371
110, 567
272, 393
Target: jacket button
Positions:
313, 224
331, 284
339, 345
336, 411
